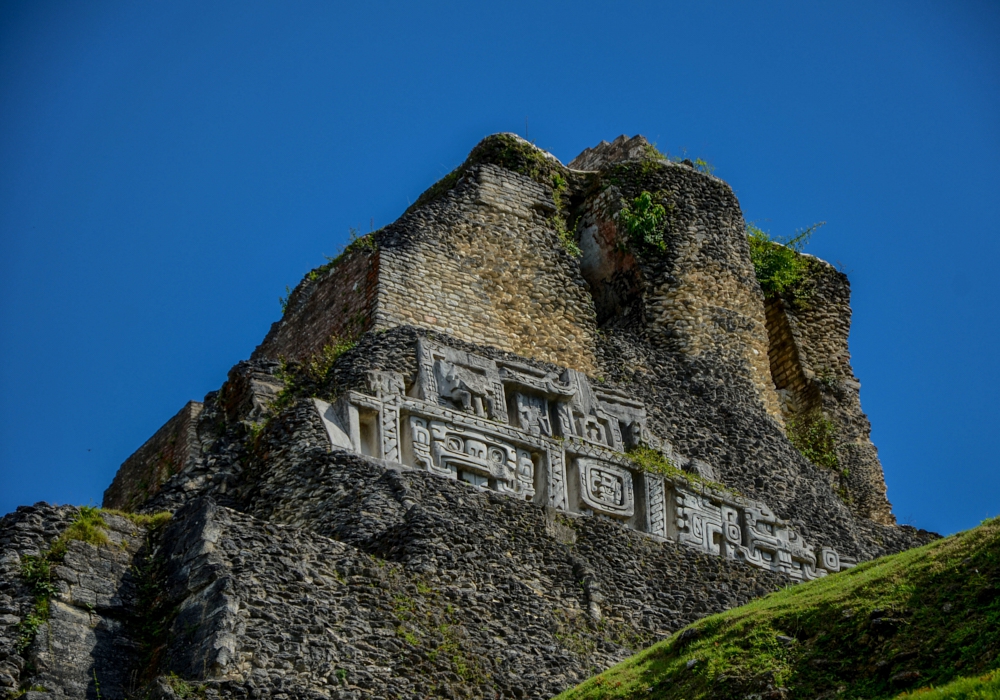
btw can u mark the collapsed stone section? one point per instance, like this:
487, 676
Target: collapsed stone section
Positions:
810, 363
698, 292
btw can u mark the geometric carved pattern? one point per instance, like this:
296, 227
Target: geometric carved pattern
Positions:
656, 506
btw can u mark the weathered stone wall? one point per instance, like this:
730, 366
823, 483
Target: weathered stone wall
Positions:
484, 263
468, 594
699, 294
811, 363
88, 644
172, 449
337, 305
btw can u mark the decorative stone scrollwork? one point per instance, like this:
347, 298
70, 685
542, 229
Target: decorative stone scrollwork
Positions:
557, 480
533, 414
656, 506
420, 436
699, 522
468, 382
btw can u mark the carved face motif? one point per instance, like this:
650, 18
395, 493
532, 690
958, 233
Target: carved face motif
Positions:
605, 487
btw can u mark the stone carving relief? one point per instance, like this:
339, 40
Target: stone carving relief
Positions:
514, 428
468, 382
606, 488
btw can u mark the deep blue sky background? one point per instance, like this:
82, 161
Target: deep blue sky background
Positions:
167, 168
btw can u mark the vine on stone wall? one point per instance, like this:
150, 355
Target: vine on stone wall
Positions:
814, 435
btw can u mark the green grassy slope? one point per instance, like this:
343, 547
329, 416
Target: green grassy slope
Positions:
924, 618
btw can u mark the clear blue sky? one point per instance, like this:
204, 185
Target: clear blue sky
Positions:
166, 169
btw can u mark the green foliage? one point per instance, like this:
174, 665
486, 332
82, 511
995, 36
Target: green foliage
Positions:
306, 379
815, 436
642, 220
283, 301
985, 687
653, 152
819, 637
704, 166
567, 238
653, 461
88, 526
320, 364
512, 153
778, 262
182, 688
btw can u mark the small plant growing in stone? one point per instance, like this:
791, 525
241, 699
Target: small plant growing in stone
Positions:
777, 262
641, 221
814, 435
703, 166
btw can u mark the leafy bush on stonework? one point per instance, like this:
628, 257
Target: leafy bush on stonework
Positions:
814, 435
642, 222
778, 262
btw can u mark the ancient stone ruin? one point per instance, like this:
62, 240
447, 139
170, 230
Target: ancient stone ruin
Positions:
491, 449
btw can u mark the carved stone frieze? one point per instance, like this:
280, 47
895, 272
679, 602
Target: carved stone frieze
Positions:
465, 381
656, 505
515, 429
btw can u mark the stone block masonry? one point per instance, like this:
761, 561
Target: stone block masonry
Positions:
336, 304
485, 264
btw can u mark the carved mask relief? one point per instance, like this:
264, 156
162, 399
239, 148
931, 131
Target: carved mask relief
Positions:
606, 488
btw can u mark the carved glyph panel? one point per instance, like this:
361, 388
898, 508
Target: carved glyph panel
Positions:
606, 488
460, 380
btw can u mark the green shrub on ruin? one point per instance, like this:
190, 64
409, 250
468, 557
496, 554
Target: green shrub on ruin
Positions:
653, 461
515, 154
815, 436
88, 526
641, 222
777, 262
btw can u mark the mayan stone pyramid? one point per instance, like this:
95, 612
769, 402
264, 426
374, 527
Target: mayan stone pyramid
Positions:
491, 449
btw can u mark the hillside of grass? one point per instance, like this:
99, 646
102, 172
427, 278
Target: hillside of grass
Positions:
923, 623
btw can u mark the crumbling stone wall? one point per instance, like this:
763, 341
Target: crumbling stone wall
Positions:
484, 263
171, 450
811, 363
512, 603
